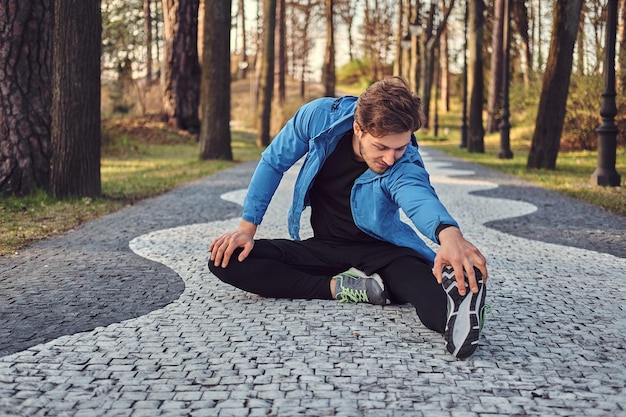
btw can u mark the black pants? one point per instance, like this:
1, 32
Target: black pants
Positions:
281, 268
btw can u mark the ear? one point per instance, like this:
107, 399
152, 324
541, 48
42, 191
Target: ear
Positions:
357, 129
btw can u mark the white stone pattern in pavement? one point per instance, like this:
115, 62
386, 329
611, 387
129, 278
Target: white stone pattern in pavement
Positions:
553, 345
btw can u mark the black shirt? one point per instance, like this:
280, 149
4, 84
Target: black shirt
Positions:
331, 215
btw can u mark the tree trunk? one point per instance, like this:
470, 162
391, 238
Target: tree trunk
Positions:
181, 83
494, 102
406, 52
350, 20
147, 16
551, 112
302, 44
215, 138
25, 95
444, 67
266, 79
427, 72
580, 58
520, 17
533, 38
158, 34
281, 58
476, 132
415, 66
200, 32
621, 57
76, 137
598, 32
328, 73
427, 65
433, 30
243, 68
369, 40
397, 63
538, 45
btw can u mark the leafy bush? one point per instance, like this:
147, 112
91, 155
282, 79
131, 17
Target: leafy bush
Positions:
523, 102
582, 115
355, 72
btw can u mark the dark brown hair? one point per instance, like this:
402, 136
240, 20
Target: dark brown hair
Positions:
389, 106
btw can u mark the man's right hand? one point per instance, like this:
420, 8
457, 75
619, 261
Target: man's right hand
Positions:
223, 247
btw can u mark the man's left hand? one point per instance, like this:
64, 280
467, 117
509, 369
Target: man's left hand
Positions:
461, 255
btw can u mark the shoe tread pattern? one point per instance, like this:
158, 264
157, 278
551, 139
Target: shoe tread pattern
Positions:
468, 326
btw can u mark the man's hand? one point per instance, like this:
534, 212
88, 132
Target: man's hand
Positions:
461, 255
223, 247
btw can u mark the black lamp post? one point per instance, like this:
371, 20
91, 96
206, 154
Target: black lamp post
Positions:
605, 173
437, 69
505, 125
464, 116
437, 92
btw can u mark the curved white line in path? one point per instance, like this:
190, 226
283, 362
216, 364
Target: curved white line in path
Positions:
554, 341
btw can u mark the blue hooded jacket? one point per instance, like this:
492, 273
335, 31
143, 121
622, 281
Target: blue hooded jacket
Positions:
376, 199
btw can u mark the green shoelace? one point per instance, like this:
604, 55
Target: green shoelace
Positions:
349, 295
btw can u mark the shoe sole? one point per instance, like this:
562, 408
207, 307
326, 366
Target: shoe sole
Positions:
463, 327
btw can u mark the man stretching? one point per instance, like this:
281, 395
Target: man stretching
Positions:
362, 166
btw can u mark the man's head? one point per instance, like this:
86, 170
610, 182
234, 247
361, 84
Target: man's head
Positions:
389, 106
386, 115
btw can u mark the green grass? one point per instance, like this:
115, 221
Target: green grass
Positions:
158, 169
132, 168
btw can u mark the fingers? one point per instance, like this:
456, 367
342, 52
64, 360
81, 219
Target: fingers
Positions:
245, 252
226, 253
224, 246
221, 251
457, 266
462, 269
458, 275
479, 262
471, 278
438, 269
482, 267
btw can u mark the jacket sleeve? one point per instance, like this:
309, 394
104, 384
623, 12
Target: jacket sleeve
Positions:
414, 194
289, 145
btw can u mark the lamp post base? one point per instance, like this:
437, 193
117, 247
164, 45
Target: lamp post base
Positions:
605, 178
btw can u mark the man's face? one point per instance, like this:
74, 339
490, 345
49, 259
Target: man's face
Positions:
379, 153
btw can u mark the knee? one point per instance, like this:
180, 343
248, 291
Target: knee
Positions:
225, 274
214, 269
234, 274
219, 272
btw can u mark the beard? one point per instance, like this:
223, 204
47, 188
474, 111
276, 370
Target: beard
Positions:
375, 164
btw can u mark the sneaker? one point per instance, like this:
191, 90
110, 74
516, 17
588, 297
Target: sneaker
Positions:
465, 314
354, 286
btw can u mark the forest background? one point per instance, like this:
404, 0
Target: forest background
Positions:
103, 103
